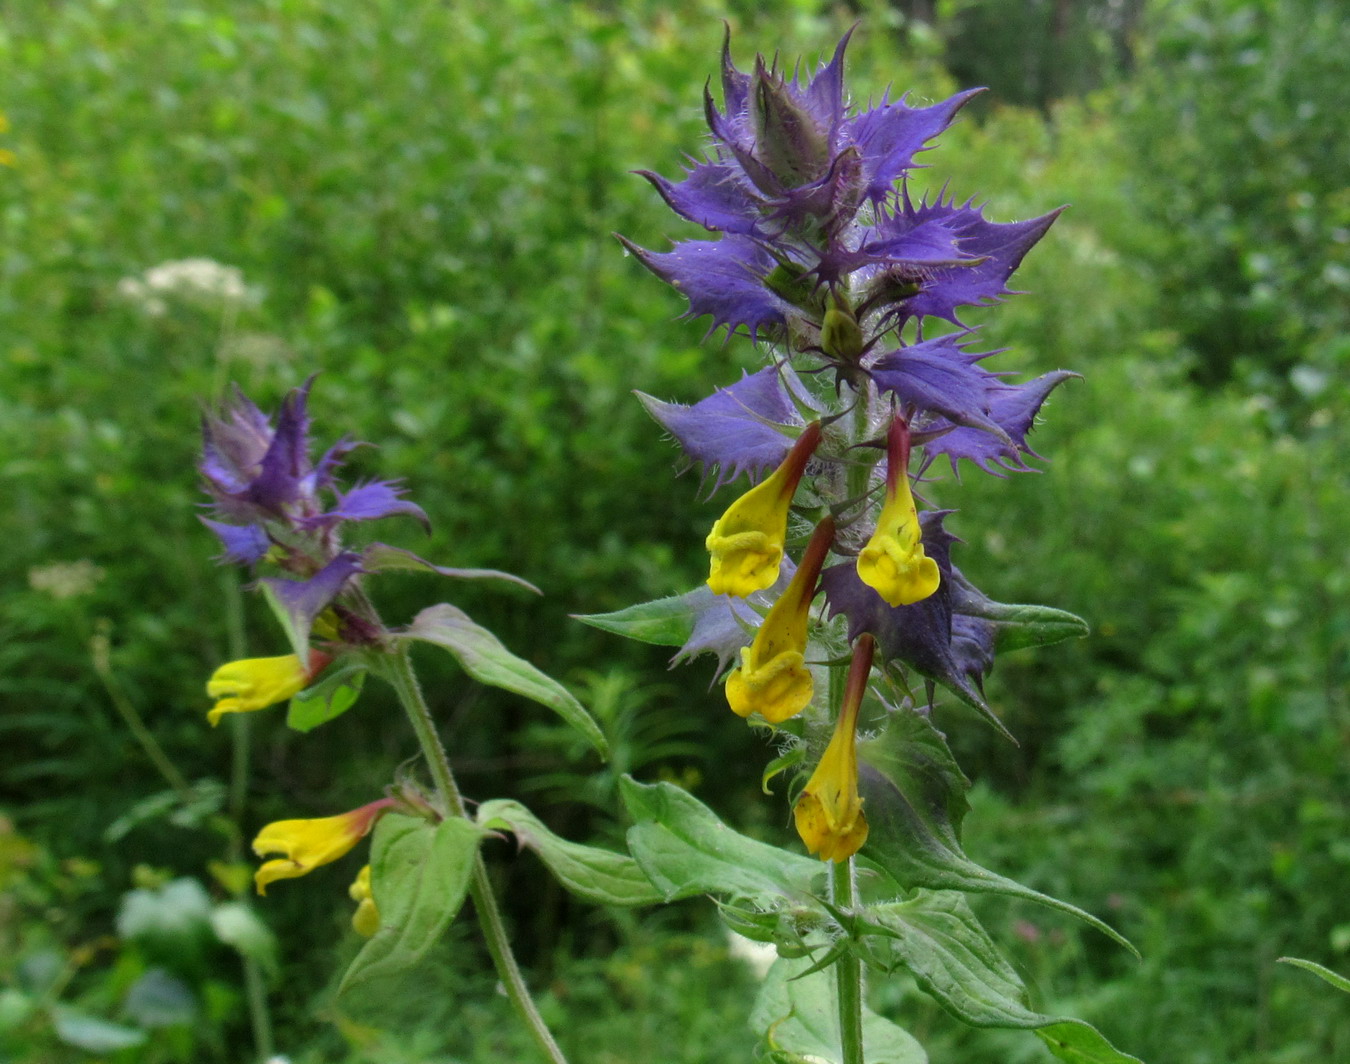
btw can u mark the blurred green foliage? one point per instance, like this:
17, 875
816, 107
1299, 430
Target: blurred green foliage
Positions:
418, 199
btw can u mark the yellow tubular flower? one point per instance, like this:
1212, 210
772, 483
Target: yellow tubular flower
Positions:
366, 919
255, 683
893, 562
307, 844
746, 542
773, 679
829, 812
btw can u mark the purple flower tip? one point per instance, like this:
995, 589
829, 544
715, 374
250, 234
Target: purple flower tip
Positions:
264, 487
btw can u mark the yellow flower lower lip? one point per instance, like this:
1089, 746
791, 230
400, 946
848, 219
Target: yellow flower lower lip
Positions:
773, 679
256, 683
307, 844
893, 563
779, 689
746, 542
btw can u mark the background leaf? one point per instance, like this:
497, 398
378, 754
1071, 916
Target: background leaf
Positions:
1340, 982
237, 925
78, 1028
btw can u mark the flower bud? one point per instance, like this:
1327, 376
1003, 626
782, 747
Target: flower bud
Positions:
366, 919
789, 142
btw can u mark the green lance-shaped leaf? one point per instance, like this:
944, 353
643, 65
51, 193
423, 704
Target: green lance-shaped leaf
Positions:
914, 795
666, 622
937, 938
382, 558
799, 1017
334, 694
684, 850
1018, 626
1340, 982
1080, 1043
485, 659
601, 876
419, 873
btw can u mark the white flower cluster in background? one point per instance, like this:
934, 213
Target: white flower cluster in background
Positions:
65, 580
199, 281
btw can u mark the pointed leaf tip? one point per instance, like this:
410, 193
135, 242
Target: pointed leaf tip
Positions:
483, 657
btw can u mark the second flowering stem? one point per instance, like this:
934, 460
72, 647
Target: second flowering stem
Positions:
399, 671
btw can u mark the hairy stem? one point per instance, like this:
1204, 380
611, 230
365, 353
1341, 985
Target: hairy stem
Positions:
848, 971
241, 723
400, 673
260, 1017
860, 473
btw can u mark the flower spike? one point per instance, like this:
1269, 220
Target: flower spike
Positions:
307, 844
893, 563
746, 542
773, 679
829, 814
256, 683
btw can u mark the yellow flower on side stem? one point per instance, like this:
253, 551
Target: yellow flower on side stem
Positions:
256, 683
746, 542
366, 919
893, 562
773, 679
829, 812
307, 844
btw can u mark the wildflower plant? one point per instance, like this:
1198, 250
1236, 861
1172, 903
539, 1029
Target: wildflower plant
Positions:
286, 515
834, 605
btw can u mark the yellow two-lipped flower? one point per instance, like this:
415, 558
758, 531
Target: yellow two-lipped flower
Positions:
746, 542
305, 845
828, 813
773, 679
255, 683
893, 563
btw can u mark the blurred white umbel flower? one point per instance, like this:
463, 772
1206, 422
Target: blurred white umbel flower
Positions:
65, 580
199, 281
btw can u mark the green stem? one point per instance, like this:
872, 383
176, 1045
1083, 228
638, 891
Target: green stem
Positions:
131, 717
400, 673
255, 984
240, 723
859, 475
260, 1017
848, 971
